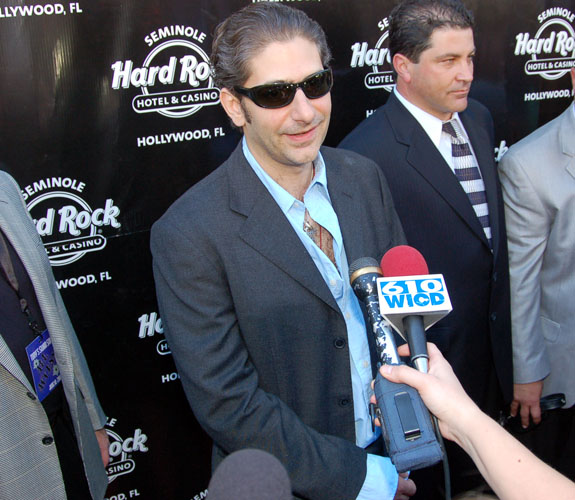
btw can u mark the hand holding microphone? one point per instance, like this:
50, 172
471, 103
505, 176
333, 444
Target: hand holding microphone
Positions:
407, 428
440, 390
509, 468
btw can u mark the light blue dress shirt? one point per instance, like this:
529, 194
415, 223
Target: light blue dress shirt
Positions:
381, 479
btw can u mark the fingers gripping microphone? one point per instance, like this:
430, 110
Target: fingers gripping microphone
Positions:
406, 423
413, 300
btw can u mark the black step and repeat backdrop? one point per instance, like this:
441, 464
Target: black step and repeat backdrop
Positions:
108, 113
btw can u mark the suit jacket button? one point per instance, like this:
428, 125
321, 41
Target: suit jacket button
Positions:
344, 402
339, 343
495, 276
48, 440
493, 316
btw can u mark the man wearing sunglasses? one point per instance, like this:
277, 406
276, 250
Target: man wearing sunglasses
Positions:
251, 269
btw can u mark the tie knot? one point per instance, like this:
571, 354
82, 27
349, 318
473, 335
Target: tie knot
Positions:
449, 128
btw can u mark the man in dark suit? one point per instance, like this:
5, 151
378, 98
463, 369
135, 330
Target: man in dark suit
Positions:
251, 269
445, 188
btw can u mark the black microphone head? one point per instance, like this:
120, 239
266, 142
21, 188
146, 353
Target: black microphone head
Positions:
362, 266
363, 274
250, 474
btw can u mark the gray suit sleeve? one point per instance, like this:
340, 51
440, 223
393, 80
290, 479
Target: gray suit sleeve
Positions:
528, 225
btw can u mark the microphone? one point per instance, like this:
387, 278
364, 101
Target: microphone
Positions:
363, 274
250, 474
406, 425
414, 302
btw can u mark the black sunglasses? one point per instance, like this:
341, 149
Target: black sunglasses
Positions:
278, 95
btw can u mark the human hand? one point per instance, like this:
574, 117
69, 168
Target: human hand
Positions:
405, 487
440, 390
526, 399
104, 444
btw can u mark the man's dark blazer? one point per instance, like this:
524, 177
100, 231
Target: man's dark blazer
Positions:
258, 339
440, 222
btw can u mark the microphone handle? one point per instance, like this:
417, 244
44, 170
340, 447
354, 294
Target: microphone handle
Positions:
384, 341
415, 334
406, 426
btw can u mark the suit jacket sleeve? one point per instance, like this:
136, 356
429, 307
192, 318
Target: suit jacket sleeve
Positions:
528, 225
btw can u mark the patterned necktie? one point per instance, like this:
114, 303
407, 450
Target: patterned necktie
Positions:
320, 236
467, 172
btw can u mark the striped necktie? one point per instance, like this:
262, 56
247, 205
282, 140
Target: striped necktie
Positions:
467, 172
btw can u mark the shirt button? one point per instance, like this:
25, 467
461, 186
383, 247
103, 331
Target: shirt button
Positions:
366, 364
48, 440
339, 343
332, 283
31, 396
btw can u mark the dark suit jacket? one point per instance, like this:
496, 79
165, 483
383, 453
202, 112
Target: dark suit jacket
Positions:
258, 340
440, 222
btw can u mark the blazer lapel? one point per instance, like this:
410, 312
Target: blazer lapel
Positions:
424, 157
343, 192
267, 230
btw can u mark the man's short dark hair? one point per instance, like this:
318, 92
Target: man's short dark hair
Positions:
412, 22
250, 30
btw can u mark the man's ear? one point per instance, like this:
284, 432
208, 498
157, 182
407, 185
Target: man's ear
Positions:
402, 66
232, 106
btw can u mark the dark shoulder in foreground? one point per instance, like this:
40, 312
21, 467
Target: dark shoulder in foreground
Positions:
202, 201
477, 111
348, 161
367, 128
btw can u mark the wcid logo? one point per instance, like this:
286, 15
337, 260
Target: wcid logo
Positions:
413, 293
69, 227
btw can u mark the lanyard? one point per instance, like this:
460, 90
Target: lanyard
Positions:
8, 270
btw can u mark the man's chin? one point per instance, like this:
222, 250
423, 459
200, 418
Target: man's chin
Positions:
460, 104
302, 156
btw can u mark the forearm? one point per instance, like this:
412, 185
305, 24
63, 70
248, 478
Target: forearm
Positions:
509, 467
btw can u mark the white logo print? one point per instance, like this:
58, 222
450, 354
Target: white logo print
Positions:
175, 78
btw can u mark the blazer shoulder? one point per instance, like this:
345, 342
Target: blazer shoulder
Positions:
8, 182
350, 166
478, 113
345, 157
478, 107
203, 197
543, 141
365, 129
